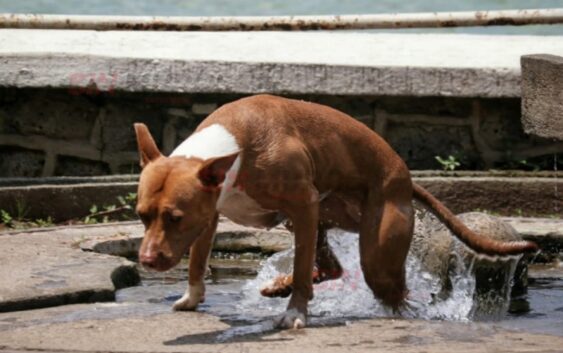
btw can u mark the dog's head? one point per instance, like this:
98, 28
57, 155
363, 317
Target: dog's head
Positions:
176, 200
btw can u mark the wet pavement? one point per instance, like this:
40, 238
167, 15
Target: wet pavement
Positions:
235, 318
152, 327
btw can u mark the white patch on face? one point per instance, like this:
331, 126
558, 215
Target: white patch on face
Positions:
212, 141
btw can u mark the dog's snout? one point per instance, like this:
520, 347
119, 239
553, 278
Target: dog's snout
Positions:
152, 260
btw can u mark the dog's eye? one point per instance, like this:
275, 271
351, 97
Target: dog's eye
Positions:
144, 217
174, 217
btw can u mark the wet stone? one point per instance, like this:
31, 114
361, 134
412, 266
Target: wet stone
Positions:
41, 269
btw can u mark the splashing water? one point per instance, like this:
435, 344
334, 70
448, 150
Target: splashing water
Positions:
350, 297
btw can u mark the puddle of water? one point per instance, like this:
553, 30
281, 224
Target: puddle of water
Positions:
234, 296
545, 302
350, 297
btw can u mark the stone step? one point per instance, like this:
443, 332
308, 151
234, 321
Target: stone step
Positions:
507, 193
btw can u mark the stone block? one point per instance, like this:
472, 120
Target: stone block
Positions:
499, 125
56, 114
435, 106
203, 108
117, 131
542, 95
16, 162
419, 144
67, 166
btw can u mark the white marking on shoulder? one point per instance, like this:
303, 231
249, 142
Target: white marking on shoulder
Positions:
212, 141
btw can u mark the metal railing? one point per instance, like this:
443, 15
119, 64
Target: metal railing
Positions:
286, 23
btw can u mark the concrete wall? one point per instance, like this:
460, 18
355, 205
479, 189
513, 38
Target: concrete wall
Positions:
56, 132
68, 99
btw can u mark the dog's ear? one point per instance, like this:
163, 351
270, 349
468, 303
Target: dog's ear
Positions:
214, 170
148, 151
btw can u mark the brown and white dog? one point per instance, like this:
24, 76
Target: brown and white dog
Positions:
264, 159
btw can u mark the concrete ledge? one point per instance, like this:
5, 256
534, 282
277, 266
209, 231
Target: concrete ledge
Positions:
230, 237
124, 238
547, 233
529, 194
501, 195
275, 62
542, 95
62, 202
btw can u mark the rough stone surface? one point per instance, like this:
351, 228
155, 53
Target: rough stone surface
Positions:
233, 237
230, 237
537, 195
134, 328
48, 114
542, 95
480, 133
504, 195
18, 162
62, 202
80, 167
118, 134
547, 233
57, 272
77, 93
125, 240
40, 270
419, 144
435, 245
298, 63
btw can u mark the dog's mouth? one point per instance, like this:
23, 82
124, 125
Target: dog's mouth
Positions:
163, 262
159, 264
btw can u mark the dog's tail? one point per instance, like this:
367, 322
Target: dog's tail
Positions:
476, 242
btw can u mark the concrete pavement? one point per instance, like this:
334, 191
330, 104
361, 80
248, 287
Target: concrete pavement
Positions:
46, 268
116, 328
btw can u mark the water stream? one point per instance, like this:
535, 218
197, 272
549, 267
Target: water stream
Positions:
236, 298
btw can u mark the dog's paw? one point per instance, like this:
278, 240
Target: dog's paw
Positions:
186, 303
291, 319
281, 286
191, 299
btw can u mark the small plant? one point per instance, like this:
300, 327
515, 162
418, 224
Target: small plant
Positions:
21, 210
5, 217
451, 163
489, 212
40, 222
123, 211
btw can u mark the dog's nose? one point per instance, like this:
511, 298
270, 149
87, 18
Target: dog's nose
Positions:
150, 259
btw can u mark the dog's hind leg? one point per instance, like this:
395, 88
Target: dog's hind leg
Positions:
327, 267
326, 263
385, 235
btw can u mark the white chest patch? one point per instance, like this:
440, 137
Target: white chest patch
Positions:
216, 141
213, 141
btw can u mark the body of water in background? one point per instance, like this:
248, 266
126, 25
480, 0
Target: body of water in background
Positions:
286, 7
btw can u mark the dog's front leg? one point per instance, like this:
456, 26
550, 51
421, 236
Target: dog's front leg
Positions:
199, 256
305, 220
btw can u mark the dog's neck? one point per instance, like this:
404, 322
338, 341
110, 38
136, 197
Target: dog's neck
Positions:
210, 142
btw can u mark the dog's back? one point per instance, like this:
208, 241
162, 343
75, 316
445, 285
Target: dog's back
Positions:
350, 152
